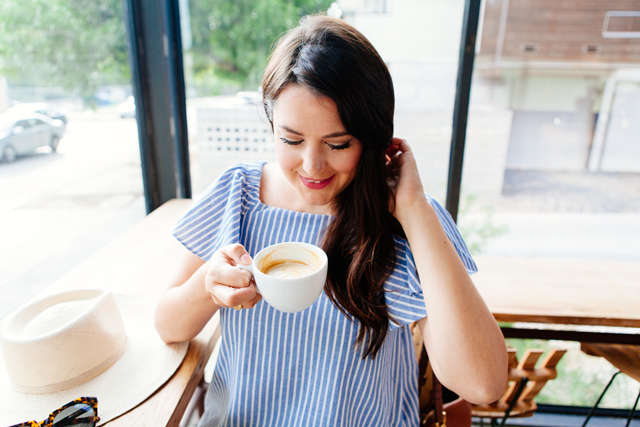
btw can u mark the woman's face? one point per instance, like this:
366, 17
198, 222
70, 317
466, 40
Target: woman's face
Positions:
316, 154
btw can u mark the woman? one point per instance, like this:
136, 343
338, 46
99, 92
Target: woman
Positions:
342, 182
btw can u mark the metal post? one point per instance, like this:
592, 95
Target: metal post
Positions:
153, 33
177, 99
461, 108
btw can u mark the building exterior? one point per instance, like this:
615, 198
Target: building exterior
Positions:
556, 84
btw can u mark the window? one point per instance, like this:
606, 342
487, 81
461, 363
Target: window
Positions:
552, 166
225, 51
69, 182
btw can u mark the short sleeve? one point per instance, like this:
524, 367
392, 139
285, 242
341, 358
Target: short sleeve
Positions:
404, 297
403, 292
213, 220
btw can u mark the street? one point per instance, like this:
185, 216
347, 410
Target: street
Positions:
56, 209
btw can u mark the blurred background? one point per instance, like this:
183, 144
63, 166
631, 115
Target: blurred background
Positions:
552, 160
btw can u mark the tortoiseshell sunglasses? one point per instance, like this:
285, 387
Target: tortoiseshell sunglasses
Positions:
82, 412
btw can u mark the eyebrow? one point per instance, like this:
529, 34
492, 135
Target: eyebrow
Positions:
331, 135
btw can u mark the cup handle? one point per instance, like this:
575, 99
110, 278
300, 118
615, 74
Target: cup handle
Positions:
249, 268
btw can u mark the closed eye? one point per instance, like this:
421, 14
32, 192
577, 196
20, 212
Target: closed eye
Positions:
289, 142
340, 147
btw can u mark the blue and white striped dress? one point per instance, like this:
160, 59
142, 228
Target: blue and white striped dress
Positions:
301, 369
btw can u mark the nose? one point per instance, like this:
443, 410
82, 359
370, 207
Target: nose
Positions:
313, 161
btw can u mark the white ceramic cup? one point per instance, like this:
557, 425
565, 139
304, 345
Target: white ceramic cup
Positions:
300, 271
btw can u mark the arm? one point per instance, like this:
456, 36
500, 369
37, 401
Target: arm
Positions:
465, 345
199, 288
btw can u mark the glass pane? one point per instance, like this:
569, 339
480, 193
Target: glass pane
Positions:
225, 47
552, 164
226, 50
71, 179
420, 42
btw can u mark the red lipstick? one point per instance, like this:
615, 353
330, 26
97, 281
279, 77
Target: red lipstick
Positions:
315, 184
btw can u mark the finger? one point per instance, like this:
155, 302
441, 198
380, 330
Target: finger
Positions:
403, 145
216, 301
403, 156
394, 161
237, 254
231, 297
221, 273
392, 149
251, 303
223, 268
392, 168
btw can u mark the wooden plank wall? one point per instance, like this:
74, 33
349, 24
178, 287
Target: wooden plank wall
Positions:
557, 30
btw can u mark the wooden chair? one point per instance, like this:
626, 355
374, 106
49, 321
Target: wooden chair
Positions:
525, 382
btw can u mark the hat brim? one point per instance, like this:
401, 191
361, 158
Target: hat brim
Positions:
146, 364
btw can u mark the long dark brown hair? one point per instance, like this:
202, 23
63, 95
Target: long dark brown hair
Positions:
334, 60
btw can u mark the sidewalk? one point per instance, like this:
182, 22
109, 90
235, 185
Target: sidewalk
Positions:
558, 214
605, 236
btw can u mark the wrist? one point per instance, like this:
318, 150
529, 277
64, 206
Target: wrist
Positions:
410, 210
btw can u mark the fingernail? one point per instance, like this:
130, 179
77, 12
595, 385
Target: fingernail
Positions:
245, 259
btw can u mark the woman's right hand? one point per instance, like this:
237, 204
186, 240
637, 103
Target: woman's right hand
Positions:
228, 285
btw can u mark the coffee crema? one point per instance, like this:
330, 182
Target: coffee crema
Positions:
288, 269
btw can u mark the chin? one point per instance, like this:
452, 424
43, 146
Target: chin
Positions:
317, 202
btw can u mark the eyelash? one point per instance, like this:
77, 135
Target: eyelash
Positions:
341, 147
289, 142
333, 147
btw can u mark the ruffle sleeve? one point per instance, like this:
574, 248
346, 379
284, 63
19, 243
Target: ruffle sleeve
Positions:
404, 297
213, 220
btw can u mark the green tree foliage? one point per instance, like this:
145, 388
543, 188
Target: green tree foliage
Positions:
75, 44
81, 44
232, 39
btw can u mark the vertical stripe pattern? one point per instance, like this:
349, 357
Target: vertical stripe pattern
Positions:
301, 369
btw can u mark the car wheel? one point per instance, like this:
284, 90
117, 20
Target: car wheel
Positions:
9, 154
54, 143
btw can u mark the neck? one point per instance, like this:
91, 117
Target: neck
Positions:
277, 191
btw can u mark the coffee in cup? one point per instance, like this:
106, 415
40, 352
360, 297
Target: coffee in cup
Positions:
290, 276
275, 263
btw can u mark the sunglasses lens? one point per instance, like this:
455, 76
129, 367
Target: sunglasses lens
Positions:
78, 415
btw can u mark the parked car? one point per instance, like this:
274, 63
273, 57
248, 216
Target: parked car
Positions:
127, 108
50, 110
23, 133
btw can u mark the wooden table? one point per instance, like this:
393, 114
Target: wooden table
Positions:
565, 292
140, 262
624, 357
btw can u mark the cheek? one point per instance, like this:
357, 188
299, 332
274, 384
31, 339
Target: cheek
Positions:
349, 164
286, 157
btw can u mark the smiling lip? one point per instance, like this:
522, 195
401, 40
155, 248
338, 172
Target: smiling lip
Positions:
315, 184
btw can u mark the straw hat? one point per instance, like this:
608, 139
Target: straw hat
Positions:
81, 343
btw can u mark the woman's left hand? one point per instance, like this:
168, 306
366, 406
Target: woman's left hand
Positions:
403, 177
